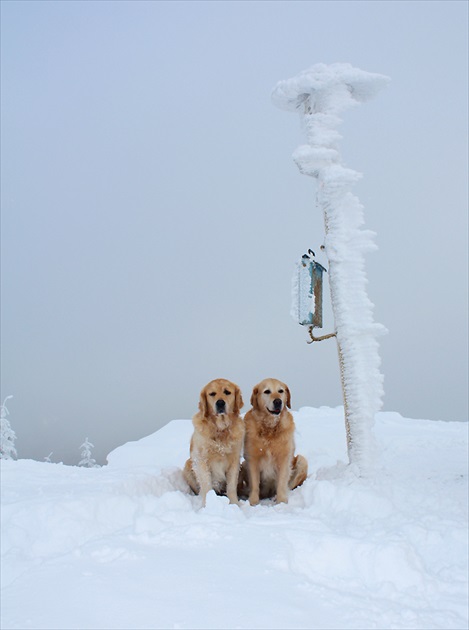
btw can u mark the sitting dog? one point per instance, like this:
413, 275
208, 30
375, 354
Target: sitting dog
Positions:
270, 467
217, 441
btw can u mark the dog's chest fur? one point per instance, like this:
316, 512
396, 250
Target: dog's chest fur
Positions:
212, 444
269, 443
221, 447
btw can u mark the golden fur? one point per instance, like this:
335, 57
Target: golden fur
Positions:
270, 468
217, 441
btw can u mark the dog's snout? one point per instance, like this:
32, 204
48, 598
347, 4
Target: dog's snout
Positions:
220, 405
277, 403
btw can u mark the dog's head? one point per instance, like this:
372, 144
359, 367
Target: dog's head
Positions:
220, 398
271, 396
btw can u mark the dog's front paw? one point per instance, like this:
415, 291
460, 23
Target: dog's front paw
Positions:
253, 499
281, 498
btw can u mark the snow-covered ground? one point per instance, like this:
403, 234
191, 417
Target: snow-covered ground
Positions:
126, 546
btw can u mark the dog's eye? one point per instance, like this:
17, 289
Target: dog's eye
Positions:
267, 391
226, 392
280, 391
212, 394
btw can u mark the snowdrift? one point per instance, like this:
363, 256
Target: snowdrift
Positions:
126, 545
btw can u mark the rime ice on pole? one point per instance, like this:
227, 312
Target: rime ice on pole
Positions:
319, 95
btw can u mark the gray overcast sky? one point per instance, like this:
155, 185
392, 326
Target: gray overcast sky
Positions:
152, 214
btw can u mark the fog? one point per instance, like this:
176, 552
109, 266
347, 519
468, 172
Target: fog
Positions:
152, 213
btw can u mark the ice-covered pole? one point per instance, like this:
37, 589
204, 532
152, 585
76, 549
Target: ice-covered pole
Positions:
319, 95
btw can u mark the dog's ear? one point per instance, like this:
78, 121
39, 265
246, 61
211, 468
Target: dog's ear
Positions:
238, 403
288, 401
254, 402
203, 405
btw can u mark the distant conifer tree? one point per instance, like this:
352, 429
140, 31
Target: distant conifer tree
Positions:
7, 435
86, 460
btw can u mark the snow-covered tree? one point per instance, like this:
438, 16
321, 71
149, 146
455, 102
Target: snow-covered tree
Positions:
7, 435
86, 460
319, 95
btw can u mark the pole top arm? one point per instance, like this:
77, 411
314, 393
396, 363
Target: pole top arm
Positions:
328, 88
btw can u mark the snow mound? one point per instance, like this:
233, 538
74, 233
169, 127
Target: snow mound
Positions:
149, 452
127, 545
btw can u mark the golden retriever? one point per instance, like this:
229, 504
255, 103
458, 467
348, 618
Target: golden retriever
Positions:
270, 467
217, 441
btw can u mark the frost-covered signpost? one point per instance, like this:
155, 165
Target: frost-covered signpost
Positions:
319, 95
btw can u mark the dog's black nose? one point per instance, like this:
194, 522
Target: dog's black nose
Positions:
220, 405
277, 404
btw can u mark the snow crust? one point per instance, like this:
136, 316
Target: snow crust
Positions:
127, 545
